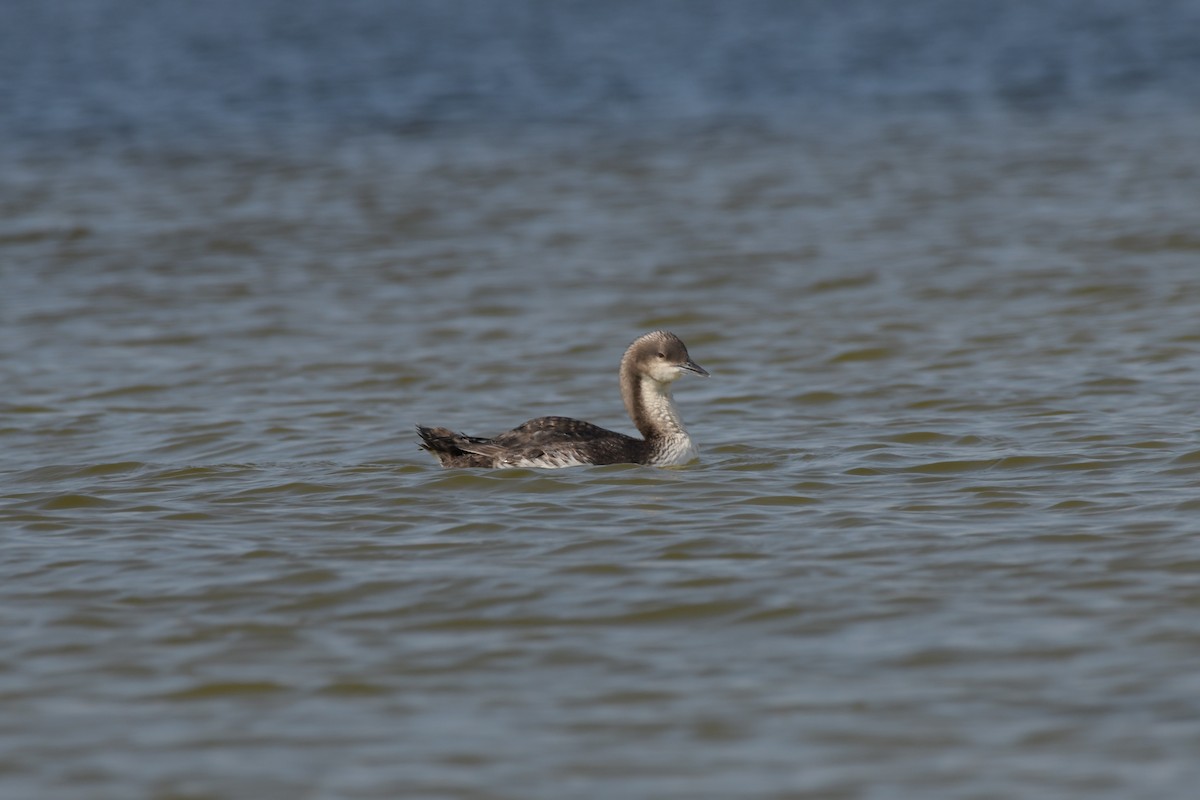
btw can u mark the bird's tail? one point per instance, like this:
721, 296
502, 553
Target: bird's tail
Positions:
452, 449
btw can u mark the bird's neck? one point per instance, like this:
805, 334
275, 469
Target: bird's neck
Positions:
651, 407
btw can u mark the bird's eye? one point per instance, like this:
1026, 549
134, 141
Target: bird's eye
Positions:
662, 355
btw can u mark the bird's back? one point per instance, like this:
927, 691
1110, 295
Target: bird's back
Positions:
540, 442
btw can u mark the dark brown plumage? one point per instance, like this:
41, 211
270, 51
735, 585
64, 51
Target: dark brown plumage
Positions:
536, 440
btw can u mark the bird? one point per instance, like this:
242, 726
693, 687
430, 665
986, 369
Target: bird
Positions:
650, 365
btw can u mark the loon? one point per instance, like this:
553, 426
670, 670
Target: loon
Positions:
648, 368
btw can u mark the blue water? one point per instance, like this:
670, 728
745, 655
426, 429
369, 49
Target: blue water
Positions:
941, 258
153, 74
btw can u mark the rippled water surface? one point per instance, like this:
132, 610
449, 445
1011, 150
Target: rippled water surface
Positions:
942, 541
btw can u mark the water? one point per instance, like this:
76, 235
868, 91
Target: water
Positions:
942, 541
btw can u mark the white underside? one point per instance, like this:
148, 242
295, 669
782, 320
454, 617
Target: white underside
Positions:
545, 462
675, 452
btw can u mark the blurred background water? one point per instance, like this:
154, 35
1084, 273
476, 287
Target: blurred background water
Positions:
941, 257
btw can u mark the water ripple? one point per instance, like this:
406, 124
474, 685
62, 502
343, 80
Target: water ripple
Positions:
948, 472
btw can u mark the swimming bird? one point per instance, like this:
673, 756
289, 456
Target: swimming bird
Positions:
648, 368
